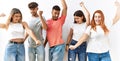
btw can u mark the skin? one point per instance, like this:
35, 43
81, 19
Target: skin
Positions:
79, 21
16, 19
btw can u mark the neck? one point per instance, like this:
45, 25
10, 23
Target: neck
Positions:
35, 15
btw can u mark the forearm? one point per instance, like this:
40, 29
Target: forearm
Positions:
64, 5
81, 40
32, 35
86, 12
45, 42
69, 40
26, 35
44, 25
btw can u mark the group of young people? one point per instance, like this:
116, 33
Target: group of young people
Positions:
86, 38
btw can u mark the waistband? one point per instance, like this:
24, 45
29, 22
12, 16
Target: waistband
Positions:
16, 42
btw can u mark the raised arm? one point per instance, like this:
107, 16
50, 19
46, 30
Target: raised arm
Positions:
29, 31
64, 5
81, 40
117, 15
2, 15
44, 25
86, 12
3, 25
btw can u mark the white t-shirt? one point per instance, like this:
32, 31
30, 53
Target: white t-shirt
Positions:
78, 30
98, 41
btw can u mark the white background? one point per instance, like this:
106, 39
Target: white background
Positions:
107, 6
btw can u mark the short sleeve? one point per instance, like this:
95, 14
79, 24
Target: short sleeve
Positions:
88, 30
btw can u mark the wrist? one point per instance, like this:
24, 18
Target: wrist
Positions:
67, 44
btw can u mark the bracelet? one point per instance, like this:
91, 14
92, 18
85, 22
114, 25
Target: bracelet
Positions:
67, 44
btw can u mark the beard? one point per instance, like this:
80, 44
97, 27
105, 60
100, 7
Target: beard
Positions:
34, 14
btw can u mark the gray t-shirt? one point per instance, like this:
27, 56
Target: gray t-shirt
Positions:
36, 26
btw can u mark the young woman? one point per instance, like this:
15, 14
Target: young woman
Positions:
98, 45
80, 24
16, 30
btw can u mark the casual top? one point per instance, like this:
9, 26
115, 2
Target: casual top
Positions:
36, 26
16, 30
98, 41
78, 30
54, 31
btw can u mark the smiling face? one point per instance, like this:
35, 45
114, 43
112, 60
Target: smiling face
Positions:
55, 14
34, 11
78, 19
16, 18
97, 18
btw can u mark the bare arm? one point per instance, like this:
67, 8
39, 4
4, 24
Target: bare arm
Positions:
45, 42
26, 35
44, 25
86, 12
3, 25
29, 31
81, 40
69, 38
2, 15
64, 5
117, 15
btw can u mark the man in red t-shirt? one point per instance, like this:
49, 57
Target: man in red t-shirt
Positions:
54, 33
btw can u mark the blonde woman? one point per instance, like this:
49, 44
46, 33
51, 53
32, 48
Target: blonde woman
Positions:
15, 50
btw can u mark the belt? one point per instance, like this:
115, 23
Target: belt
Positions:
16, 42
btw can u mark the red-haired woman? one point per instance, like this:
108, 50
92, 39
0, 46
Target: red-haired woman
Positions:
97, 35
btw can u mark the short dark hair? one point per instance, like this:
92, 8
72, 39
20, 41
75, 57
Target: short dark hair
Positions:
32, 5
56, 7
79, 13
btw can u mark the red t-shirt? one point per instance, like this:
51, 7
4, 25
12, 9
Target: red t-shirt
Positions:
54, 31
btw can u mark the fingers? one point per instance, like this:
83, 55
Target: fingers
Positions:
40, 12
117, 3
72, 47
81, 3
2, 15
38, 42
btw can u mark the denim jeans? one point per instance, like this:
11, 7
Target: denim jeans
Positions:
14, 52
36, 53
56, 53
80, 51
99, 56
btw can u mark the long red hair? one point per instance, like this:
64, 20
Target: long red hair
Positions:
102, 24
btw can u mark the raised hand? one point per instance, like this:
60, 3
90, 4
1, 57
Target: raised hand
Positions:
2, 15
40, 13
81, 4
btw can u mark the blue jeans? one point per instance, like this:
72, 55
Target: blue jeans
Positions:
56, 53
99, 56
36, 53
80, 51
14, 52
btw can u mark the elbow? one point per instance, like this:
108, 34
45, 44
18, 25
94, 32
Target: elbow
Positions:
29, 32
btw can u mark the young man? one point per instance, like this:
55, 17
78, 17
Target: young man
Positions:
54, 33
36, 24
